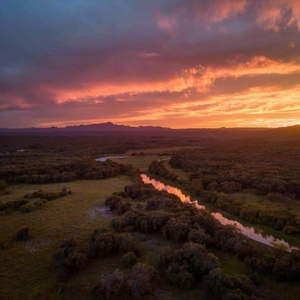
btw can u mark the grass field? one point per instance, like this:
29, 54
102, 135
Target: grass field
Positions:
142, 162
25, 267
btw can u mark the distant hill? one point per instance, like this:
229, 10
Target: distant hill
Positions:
288, 129
102, 127
114, 129
285, 132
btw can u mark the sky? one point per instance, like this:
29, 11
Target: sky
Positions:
171, 63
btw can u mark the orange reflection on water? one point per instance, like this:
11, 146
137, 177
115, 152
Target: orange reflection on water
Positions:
171, 190
250, 232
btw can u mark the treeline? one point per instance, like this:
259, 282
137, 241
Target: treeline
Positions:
260, 186
263, 167
278, 218
32, 201
142, 209
158, 168
40, 173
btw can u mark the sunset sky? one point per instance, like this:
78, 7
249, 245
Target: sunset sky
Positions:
173, 63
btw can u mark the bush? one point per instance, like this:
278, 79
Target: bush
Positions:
15, 205
49, 196
39, 203
117, 285
108, 243
3, 205
123, 206
139, 280
3, 186
227, 287
109, 285
68, 258
22, 235
288, 229
112, 201
182, 267
198, 236
129, 260
177, 229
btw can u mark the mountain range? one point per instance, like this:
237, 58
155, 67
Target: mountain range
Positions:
114, 128
102, 127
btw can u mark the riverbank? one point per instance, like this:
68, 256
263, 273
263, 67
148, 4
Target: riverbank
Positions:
249, 231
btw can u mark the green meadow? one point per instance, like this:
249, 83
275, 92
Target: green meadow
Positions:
26, 267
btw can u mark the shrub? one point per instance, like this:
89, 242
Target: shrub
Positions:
225, 286
108, 243
288, 229
15, 205
109, 285
129, 260
182, 267
39, 203
116, 224
139, 280
198, 236
3, 205
112, 201
68, 258
22, 235
41, 194
177, 229
117, 285
3, 186
27, 208
123, 206
179, 275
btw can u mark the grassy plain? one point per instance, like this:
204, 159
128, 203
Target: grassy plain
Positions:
25, 267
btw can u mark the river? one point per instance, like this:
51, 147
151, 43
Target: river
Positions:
250, 232
102, 159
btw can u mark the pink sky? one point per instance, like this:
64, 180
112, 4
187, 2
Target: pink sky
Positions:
173, 63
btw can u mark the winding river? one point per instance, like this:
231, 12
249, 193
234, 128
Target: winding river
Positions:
250, 232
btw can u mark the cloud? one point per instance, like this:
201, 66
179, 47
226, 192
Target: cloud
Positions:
145, 61
217, 10
189, 13
203, 78
278, 15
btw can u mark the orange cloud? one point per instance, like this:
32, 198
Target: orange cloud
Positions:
257, 106
258, 65
199, 77
279, 14
255, 100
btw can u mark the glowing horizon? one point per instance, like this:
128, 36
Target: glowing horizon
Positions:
177, 64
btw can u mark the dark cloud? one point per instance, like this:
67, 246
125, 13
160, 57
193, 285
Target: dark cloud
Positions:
75, 61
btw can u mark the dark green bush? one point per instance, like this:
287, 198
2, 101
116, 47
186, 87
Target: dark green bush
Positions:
109, 243
69, 258
139, 280
182, 267
109, 286
233, 287
129, 260
22, 235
